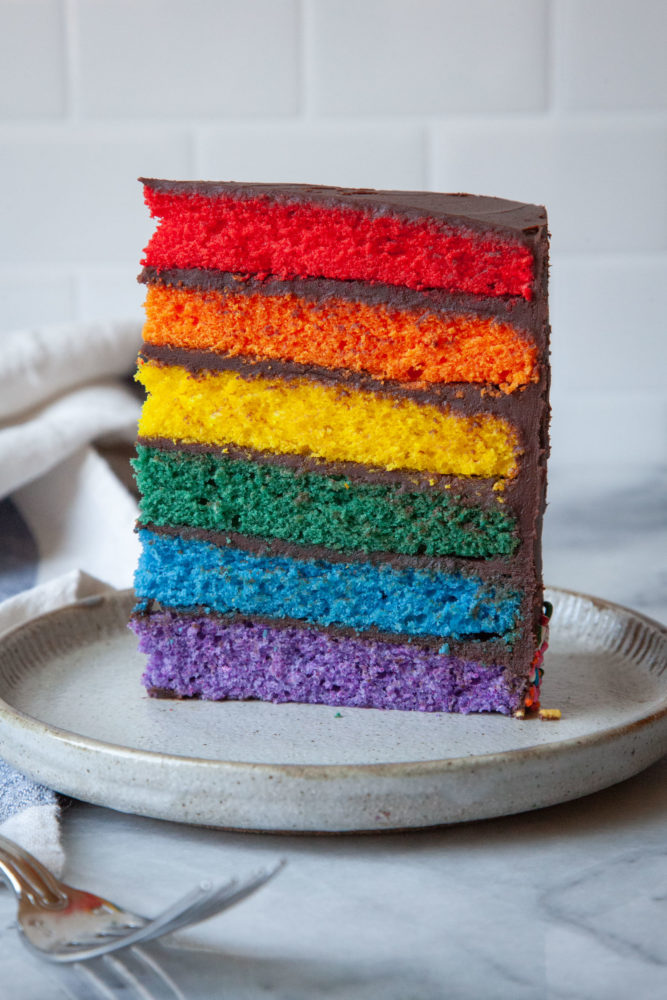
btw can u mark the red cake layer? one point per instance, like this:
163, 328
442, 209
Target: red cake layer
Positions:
300, 238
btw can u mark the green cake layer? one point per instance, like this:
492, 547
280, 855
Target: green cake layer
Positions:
216, 493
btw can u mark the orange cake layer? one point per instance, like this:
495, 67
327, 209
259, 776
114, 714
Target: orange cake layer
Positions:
389, 343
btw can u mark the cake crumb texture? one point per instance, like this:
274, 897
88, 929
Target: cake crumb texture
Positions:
216, 493
333, 423
202, 656
297, 239
183, 572
403, 345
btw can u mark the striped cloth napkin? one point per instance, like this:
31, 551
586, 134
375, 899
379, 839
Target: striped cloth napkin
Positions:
66, 520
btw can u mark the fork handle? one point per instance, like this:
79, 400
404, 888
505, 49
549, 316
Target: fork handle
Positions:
28, 878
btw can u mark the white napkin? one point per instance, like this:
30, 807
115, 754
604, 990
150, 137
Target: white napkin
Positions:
29, 812
56, 393
66, 523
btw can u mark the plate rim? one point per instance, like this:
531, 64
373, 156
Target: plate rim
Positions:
333, 771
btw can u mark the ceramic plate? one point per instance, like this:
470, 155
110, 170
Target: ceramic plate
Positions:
74, 716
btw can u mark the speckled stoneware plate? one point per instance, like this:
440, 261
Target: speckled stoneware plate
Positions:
73, 715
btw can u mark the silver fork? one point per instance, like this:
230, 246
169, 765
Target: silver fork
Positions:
63, 924
134, 974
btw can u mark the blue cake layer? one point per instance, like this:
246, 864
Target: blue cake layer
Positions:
181, 572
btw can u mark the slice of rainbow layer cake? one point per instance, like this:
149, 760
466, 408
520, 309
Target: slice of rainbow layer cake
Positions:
342, 452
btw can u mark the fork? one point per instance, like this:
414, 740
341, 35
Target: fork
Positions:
63, 924
134, 974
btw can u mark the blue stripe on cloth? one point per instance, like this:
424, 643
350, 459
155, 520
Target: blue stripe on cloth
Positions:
19, 558
18, 793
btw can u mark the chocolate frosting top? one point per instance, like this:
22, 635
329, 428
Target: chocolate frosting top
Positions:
521, 219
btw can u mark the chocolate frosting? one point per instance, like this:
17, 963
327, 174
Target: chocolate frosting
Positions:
502, 569
462, 397
481, 648
514, 219
473, 490
437, 301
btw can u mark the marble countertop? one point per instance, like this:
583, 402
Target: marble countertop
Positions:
566, 902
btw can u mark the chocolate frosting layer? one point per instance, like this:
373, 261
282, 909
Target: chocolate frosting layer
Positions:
504, 570
520, 220
483, 649
517, 311
461, 397
476, 491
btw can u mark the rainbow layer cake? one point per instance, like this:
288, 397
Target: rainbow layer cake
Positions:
343, 447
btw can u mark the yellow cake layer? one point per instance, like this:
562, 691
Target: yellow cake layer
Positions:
337, 424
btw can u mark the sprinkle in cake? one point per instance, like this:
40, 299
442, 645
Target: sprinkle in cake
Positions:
342, 454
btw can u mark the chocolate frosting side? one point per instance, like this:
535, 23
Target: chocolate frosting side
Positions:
518, 221
515, 311
537, 480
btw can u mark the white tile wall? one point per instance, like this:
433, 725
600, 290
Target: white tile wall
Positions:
610, 55
429, 56
592, 427
602, 181
32, 58
105, 292
348, 155
76, 197
148, 58
609, 318
562, 102
36, 298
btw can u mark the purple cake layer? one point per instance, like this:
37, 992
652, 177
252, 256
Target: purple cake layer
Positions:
205, 656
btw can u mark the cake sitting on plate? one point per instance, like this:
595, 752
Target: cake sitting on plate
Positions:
342, 453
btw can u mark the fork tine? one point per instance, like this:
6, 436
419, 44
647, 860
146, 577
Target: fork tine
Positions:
231, 893
138, 971
148, 970
80, 950
132, 974
219, 899
76, 982
199, 904
206, 902
105, 982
